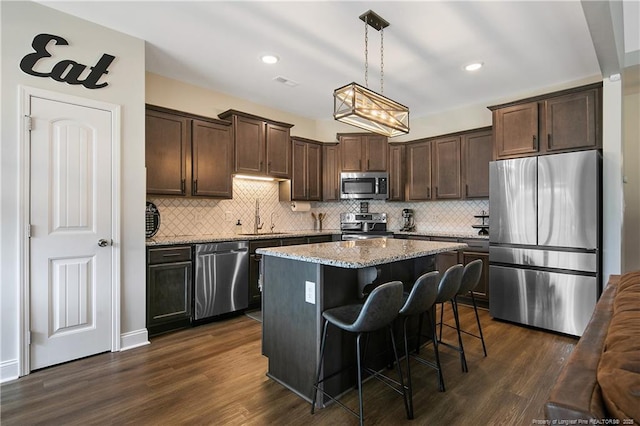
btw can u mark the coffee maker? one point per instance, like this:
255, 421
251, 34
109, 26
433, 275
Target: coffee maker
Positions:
407, 219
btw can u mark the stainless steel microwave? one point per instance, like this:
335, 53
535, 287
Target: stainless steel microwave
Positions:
364, 186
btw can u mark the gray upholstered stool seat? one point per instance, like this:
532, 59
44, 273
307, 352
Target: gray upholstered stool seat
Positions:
470, 279
378, 311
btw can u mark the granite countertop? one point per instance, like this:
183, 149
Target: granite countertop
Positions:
361, 253
213, 238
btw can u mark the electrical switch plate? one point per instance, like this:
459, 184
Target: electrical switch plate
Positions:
310, 292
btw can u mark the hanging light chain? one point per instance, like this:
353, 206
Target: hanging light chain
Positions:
381, 60
366, 52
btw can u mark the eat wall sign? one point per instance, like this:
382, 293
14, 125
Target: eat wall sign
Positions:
66, 70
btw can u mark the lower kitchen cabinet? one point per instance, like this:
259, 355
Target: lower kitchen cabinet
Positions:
255, 296
481, 292
169, 286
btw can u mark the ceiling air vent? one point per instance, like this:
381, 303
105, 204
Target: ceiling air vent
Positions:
286, 81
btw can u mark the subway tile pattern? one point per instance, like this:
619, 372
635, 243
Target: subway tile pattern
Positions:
193, 216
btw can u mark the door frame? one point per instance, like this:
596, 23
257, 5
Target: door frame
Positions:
24, 187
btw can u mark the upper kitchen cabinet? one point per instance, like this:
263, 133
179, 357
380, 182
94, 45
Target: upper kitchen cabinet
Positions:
306, 181
188, 155
212, 148
446, 168
330, 172
363, 152
396, 172
418, 170
167, 152
568, 120
262, 146
477, 152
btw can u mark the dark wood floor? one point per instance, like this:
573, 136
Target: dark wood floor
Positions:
214, 374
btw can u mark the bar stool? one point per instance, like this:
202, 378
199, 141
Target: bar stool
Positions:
470, 279
447, 291
378, 311
419, 301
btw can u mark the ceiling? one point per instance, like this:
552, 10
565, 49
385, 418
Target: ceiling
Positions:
525, 46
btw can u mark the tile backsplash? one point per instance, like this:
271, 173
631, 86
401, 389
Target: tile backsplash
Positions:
193, 216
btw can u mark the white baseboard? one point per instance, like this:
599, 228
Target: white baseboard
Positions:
9, 370
134, 339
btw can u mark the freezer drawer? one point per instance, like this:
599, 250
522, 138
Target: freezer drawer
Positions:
535, 257
549, 300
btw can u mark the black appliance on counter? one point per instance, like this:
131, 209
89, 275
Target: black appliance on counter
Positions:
361, 226
152, 220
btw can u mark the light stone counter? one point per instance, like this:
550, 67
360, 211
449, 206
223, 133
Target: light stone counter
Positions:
361, 253
220, 237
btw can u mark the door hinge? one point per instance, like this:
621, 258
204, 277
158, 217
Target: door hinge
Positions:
29, 337
28, 230
28, 123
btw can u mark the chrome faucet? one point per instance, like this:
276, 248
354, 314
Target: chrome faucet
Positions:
257, 226
273, 224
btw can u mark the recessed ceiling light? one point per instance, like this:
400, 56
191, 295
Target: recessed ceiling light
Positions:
474, 66
269, 59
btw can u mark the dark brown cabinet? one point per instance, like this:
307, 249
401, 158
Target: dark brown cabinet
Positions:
167, 152
481, 292
418, 171
396, 172
446, 168
363, 152
188, 155
563, 121
169, 272
477, 153
330, 172
306, 182
262, 146
212, 152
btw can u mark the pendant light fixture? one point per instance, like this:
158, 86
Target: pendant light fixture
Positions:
361, 107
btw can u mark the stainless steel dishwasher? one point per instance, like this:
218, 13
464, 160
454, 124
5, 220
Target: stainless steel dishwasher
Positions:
222, 278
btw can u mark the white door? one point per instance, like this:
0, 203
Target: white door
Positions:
71, 231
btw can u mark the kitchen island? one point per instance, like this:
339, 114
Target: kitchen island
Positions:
300, 282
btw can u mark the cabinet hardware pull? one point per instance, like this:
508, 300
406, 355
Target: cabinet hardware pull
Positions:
182, 186
436, 192
466, 190
428, 192
548, 140
195, 186
171, 254
368, 164
335, 193
535, 145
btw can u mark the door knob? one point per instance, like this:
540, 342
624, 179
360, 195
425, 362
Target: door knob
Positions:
103, 243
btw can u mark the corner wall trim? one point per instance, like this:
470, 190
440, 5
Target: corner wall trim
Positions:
134, 339
9, 370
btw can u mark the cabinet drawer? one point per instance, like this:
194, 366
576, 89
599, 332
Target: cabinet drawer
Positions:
169, 254
476, 245
254, 245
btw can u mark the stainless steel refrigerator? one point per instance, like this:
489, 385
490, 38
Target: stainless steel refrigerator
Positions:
544, 240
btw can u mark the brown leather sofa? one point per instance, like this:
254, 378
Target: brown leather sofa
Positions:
601, 380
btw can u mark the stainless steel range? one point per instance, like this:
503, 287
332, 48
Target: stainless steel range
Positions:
360, 226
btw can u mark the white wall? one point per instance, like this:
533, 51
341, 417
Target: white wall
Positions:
21, 21
631, 160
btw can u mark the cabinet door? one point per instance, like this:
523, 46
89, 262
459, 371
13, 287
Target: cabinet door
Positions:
351, 153
375, 153
446, 170
419, 171
570, 121
166, 150
249, 145
446, 260
314, 172
299, 178
477, 153
331, 173
168, 292
212, 154
482, 289
396, 172
278, 151
516, 130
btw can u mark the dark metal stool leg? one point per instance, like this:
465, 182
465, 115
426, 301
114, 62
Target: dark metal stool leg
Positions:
475, 308
315, 386
360, 404
463, 360
432, 322
404, 393
407, 357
